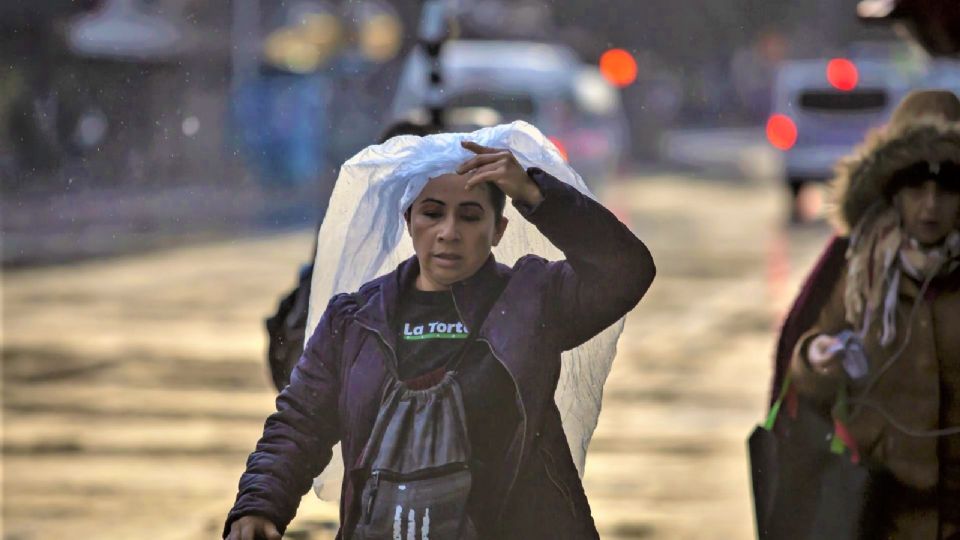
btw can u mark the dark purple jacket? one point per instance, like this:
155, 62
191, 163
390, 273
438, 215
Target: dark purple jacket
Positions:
544, 308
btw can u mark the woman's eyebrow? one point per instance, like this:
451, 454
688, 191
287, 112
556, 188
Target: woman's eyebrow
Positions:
434, 201
472, 203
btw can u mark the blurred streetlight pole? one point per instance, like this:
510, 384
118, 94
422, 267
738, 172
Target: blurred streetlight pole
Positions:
245, 40
433, 33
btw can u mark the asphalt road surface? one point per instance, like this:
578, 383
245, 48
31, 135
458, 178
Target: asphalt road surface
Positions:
134, 387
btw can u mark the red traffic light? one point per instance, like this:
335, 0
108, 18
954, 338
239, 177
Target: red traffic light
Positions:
842, 74
781, 131
618, 67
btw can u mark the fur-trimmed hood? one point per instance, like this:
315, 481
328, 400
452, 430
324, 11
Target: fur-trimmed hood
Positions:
862, 178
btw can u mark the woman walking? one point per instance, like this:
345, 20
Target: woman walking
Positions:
438, 378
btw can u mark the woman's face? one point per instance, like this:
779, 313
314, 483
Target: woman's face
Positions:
453, 231
928, 211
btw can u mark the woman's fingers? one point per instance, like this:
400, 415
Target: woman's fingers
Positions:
479, 161
270, 531
491, 173
248, 531
821, 350
252, 528
241, 530
236, 530
500, 167
489, 167
478, 148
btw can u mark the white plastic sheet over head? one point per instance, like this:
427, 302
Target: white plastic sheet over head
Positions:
363, 236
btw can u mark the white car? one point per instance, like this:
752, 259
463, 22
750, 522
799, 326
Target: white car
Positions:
823, 108
492, 82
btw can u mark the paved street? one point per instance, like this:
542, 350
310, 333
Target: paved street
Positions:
134, 387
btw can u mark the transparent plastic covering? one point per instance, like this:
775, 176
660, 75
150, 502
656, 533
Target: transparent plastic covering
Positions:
363, 236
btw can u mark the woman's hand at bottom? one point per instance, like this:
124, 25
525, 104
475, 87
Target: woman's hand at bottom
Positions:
824, 353
253, 528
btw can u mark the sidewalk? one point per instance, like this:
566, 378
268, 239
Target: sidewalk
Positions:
41, 230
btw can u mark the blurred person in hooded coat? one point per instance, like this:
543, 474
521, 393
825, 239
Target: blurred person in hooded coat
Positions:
890, 282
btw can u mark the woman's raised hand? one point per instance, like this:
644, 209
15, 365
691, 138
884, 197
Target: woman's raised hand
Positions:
500, 167
253, 528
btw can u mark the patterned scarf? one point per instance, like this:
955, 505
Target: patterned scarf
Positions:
879, 254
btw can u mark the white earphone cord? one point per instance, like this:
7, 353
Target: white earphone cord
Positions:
864, 402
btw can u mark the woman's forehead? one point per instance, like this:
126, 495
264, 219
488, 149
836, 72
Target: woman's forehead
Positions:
450, 189
941, 183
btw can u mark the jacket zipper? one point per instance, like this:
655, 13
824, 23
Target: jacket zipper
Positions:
565, 493
383, 341
368, 511
523, 414
516, 387
373, 497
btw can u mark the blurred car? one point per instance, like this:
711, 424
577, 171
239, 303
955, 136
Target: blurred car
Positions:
823, 108
492, 82
944, 74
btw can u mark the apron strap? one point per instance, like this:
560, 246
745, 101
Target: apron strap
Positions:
775, 408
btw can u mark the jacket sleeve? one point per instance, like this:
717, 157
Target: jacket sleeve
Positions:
607, 269
298, 438
821, 386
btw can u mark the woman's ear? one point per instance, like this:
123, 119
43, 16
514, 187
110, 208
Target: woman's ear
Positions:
499, 229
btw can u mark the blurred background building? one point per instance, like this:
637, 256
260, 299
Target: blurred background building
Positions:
252, 98
105, 90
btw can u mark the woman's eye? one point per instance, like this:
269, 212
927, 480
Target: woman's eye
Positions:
914, 185
949, 187
471, 217
433, 214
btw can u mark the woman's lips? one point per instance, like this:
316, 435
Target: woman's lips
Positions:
447, 259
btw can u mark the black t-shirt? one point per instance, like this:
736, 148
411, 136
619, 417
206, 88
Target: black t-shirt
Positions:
431, 335
430, 332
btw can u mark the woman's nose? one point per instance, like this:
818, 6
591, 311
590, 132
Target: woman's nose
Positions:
930, 196
448, 230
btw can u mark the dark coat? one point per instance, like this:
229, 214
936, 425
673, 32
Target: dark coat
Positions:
544, 308
920, 390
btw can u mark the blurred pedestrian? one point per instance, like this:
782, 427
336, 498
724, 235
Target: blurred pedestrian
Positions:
879, 318
438, 378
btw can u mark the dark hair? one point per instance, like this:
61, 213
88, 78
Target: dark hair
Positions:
946, 174
499, 200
